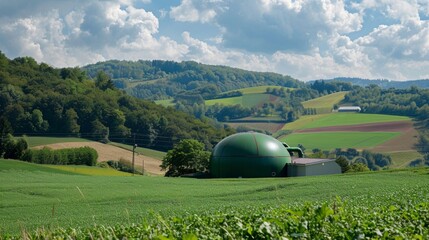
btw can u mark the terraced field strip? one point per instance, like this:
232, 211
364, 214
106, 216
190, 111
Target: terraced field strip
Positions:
225, 101
247, 100
327, 101
341, 119
332, 140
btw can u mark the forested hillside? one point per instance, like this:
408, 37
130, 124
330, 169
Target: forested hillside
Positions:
38, 99
157, 79
412, 102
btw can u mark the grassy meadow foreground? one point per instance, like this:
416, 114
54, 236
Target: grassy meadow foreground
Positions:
62, 203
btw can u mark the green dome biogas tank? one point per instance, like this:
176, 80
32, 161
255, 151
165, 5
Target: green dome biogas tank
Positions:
248, 155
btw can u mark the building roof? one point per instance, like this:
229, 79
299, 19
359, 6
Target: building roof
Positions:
310, 161
349, 108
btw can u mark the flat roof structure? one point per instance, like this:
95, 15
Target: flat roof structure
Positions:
309, 161
349, 109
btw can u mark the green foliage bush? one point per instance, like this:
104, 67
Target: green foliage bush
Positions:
11, 148
188, 156
121, 165
70, 156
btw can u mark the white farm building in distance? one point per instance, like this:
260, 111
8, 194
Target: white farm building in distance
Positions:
349, 109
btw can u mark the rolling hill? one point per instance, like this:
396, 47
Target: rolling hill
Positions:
158, 80
37, 99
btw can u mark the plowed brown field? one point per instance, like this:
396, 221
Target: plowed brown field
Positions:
107, 152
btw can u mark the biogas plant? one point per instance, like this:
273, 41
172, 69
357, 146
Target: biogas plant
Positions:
252, 154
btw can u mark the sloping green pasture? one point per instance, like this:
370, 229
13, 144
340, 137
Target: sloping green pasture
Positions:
247, 100
252, 96
34, 198
39, 141
325, 103
403, 159
332, 140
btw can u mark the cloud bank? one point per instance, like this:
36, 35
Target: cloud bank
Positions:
304, 39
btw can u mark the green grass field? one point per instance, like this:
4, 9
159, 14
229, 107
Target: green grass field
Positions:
6, 165
33, 197
341, 119
225, 101
91, 171
38, 141
144, 151
402, 159
332, 140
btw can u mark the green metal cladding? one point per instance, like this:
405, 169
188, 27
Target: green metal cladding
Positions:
247, 155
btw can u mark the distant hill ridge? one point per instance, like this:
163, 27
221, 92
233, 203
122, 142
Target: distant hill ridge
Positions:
157, 79
383, 83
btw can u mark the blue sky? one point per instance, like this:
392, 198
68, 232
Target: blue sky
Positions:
306, 39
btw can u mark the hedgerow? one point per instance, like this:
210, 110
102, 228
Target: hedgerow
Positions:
69, 156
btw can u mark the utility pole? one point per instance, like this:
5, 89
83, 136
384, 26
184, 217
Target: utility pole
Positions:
134, 150
143, 165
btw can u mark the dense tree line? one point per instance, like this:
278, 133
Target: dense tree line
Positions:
383, 83
324, 87
165, 79
38, 99
413, 102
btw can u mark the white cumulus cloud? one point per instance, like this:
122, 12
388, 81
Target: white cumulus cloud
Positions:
195, 11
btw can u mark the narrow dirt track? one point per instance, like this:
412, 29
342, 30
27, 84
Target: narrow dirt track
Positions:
108, 152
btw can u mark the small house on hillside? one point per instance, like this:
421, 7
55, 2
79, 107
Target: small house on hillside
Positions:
349, 109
